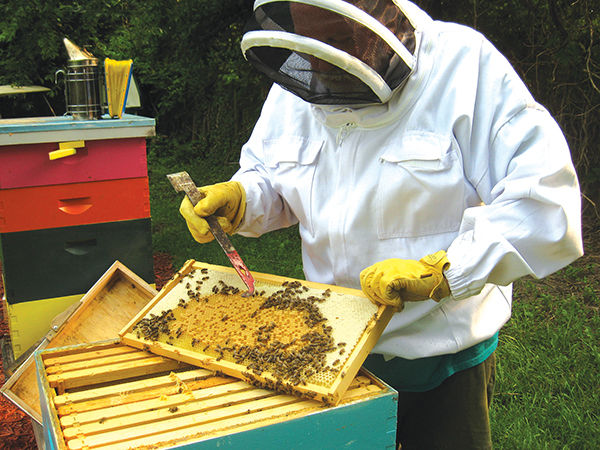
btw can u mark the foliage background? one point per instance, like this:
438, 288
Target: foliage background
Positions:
205, 99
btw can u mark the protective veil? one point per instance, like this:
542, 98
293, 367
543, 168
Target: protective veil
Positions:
331, 51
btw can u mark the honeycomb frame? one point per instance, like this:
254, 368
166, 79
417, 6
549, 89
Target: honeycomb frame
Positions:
294, 336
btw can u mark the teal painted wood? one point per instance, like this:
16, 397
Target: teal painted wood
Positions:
50, 420
368, 424
54, 123
34, 130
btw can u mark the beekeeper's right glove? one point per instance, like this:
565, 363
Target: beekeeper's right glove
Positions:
226, 201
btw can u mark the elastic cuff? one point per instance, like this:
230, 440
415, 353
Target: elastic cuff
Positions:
458, 284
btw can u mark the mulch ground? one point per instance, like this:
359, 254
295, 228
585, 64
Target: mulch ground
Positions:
16, 430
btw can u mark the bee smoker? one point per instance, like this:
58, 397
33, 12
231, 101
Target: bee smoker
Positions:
84, 84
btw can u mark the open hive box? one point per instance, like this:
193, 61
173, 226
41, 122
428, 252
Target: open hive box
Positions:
112, 396
293, 336
100, 315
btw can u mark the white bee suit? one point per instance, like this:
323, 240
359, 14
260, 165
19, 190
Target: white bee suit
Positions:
461, 158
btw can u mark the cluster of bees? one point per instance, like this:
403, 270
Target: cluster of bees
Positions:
152, 327
288, 354
289, 298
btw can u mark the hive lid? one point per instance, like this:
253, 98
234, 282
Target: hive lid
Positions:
296, 336
100, 314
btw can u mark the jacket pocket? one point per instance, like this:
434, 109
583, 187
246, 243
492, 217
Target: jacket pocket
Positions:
291, 161
421, 188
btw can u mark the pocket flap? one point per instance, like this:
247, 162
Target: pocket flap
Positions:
419, 146
291, 149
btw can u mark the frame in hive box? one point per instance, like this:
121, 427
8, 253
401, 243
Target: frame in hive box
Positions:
109, 395
100, 314
293, 336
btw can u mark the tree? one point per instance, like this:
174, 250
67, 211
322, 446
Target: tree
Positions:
206, 98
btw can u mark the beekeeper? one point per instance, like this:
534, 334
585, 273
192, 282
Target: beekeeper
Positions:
420, 169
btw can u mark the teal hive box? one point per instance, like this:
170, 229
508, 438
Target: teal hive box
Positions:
109, 395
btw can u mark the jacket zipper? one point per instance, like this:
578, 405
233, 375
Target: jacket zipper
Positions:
343, 132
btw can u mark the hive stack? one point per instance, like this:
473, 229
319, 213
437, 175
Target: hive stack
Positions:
73, 199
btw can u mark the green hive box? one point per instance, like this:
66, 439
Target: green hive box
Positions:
58, 262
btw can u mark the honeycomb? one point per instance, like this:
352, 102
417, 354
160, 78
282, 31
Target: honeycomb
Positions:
297, 334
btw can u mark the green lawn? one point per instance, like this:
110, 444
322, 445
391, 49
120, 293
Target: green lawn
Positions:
548, 378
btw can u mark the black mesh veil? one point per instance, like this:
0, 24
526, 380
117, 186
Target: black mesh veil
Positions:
331, 51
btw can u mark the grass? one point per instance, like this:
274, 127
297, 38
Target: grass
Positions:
548, 383
548, 377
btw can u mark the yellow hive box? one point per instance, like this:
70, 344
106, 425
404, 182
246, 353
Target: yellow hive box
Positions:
28, 322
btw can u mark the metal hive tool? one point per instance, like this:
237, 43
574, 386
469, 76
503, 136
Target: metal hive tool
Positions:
182, 182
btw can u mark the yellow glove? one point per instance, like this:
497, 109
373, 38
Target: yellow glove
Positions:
226, 201
395, 281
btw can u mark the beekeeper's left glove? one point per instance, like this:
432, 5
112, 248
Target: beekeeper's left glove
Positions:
395, 281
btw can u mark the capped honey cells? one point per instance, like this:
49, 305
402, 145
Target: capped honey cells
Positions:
293, 332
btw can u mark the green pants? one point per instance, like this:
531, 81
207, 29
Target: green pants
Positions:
454, 415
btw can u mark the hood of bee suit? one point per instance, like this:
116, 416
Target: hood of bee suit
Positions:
333, 52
